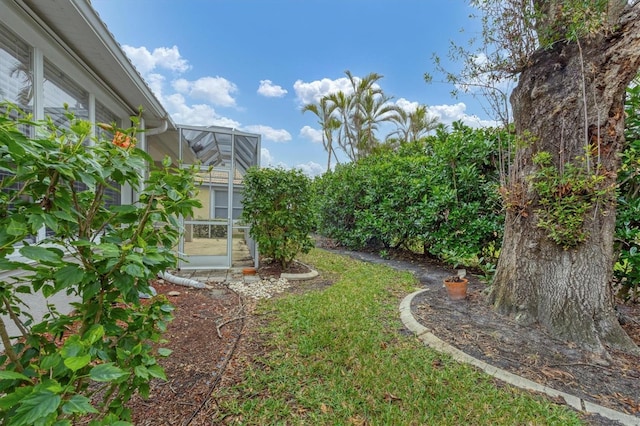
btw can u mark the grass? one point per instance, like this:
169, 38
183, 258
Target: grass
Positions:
338, 357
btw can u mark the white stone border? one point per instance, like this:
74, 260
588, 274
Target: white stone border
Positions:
300, 277
434, 342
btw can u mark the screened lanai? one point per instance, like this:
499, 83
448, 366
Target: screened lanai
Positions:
215, 237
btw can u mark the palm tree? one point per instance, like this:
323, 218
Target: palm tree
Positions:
360, 112
353, 119
25, 94
339, 106
413, 125
328, 123
373, 108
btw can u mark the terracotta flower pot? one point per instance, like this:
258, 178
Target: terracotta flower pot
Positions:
249, 271
457, 289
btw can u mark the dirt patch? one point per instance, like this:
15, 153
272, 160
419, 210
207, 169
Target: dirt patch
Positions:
272, 269
205, 339
530, 351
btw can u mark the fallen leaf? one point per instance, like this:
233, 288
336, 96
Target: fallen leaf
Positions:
389, 397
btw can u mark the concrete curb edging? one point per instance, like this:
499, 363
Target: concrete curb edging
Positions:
429, 339
300, 277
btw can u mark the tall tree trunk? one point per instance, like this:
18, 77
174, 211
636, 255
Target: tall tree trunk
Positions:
571, 96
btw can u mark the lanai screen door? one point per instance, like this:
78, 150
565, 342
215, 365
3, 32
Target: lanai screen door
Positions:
214, 237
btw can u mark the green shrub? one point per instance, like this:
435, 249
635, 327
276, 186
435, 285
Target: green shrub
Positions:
278, 204
91, 361
439, 194
627, 236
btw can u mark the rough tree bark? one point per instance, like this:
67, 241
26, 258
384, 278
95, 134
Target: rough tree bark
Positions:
568, 290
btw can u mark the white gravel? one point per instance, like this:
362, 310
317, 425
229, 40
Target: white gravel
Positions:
263, 289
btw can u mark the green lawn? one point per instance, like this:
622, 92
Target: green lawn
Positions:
338, 357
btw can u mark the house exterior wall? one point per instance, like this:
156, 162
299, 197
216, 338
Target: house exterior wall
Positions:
39, 75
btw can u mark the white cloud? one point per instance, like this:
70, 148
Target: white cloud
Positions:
406, 105
195, 115
308, 93
477, 122
155, 82
267, 160
216, 90
314, 135
270, 90
311, 169
162, 57
269, 133
447, 114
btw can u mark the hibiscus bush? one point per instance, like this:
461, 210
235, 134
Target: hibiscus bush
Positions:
88, 363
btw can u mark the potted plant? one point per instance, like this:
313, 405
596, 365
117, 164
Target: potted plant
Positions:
456, 285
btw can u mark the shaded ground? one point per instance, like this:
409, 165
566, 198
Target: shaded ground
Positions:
215, 335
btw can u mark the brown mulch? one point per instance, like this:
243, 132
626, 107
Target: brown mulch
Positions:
531, 352
215, 335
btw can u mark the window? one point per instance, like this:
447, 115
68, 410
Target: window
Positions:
16, 76
221, 206
16, 86
104, 115
60, 90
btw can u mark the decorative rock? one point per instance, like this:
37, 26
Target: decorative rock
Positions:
263, 289
173, 293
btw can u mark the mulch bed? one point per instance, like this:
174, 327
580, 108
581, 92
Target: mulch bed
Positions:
530, 352
206, 338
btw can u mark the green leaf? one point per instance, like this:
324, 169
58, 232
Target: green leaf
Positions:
12, 375
78, 404
68, 276
17, 228
66, 216
35, 407
141, 371
167, 308
81, 243
75, 363
106, 373
133, 270
15, 397
50, 361
72, 348
164, 351
24, 289
157, 372
94, 334
41, 254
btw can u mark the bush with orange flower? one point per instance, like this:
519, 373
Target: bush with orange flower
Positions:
86, 364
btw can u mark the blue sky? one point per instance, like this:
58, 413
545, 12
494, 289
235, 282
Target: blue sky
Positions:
252, 64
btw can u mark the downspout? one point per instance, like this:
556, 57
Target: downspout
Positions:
187, 282
158, 130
